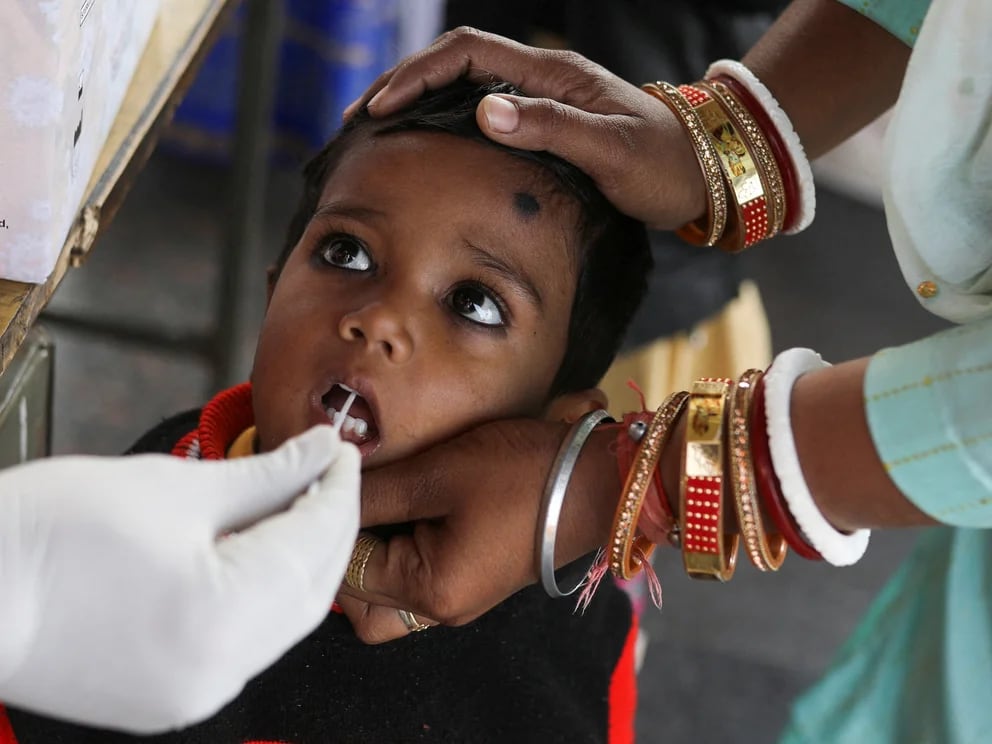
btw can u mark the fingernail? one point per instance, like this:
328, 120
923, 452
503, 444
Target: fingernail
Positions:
374, 100
501, 115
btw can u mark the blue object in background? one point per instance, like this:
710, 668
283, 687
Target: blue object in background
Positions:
330, 52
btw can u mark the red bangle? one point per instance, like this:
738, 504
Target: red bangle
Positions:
748, 216
656, 512
625, 444
767, 481
789, 183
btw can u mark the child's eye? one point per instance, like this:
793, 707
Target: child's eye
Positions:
344, 252
475, 304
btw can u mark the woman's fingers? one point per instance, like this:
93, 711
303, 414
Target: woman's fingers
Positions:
479, 56
437, 65
544, 124
470, 509
471, 504
431, 573
378, 84
468, 52
622, 151
376, 624
589, 141
630, 144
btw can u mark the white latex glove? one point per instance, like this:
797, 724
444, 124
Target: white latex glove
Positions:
122, 604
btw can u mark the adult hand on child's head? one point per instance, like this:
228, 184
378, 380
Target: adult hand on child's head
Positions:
627, 141
473, 503
141, 593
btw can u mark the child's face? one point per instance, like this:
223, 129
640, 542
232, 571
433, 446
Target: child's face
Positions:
436, 279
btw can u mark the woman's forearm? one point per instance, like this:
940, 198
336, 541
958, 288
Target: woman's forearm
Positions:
839, 461
838, 457
831, 69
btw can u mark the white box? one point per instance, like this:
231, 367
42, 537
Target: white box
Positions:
64, 68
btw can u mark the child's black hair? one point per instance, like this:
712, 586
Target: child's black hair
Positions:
614, 256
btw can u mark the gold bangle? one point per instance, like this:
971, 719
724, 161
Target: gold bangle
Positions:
709, 161
749, 217
707, 551
626, 549
766, 553
761, 152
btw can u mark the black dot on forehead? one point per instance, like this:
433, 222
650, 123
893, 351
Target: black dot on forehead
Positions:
526, 204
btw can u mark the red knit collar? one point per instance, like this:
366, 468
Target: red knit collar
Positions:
222, 419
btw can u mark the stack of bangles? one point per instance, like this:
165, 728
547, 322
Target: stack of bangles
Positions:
738, 454
758, 179
740, 480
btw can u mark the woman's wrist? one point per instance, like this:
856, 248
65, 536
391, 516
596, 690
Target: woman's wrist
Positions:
587, 515
839, 462
824, 106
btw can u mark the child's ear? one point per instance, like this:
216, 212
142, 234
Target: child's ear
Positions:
573, 406
271, 276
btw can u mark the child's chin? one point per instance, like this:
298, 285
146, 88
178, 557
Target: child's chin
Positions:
377, 460
383, 456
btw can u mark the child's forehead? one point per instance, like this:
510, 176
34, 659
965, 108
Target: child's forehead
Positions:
376, 160
408, 187
442, 183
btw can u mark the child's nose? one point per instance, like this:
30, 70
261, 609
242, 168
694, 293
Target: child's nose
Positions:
381, 329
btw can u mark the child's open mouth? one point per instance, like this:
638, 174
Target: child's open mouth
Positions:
359, 426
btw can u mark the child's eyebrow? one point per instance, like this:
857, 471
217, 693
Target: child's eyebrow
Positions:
337, 209
515, 275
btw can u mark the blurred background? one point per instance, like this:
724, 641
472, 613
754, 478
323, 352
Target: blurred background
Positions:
723, 662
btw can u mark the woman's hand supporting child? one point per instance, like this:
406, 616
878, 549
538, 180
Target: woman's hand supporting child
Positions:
474, 503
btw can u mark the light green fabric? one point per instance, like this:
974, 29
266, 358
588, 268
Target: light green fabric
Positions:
917, 669
919, 666
929, 408
901, 18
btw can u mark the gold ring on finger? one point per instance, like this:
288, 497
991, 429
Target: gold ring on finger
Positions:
355, 575
411, 622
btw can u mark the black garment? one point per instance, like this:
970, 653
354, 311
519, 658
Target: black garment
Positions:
528, 671
641, 41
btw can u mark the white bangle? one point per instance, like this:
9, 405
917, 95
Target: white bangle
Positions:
554, 498
837, 548
807, 190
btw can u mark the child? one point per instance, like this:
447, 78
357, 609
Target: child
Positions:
449, 281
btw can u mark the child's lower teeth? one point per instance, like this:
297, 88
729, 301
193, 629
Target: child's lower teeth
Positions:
348, 424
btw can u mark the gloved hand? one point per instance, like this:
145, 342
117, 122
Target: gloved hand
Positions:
141, 593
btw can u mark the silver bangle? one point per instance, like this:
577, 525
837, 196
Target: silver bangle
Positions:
554, 498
